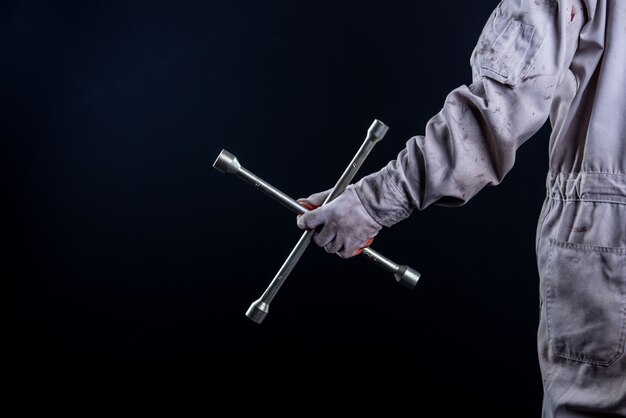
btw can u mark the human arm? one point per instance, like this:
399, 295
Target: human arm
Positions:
520, 60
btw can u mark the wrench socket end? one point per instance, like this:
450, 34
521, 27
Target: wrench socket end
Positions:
376, 131
258, 311
227, 163
407, 276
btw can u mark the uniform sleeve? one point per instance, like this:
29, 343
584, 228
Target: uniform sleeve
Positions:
521, 57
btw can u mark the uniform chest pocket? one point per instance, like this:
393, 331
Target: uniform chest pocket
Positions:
586, 302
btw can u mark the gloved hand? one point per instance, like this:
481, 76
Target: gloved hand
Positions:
343, 225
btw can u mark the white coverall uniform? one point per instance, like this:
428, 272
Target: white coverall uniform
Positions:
564, 59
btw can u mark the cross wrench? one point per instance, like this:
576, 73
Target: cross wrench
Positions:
228, 163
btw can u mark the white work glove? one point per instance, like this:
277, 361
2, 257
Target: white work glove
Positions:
343, 225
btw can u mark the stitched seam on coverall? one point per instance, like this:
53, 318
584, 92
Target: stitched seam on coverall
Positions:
587, 186
398, 192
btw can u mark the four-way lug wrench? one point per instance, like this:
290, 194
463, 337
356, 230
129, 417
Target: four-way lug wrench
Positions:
227, 163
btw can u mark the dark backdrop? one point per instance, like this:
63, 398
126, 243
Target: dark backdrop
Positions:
131, 260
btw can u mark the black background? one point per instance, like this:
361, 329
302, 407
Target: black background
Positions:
130, 260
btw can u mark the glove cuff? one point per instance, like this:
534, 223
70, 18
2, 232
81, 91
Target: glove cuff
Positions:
382, 199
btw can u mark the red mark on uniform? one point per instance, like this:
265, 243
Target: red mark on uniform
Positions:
572, 14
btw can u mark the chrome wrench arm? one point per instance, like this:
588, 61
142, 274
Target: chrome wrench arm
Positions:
228, 163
